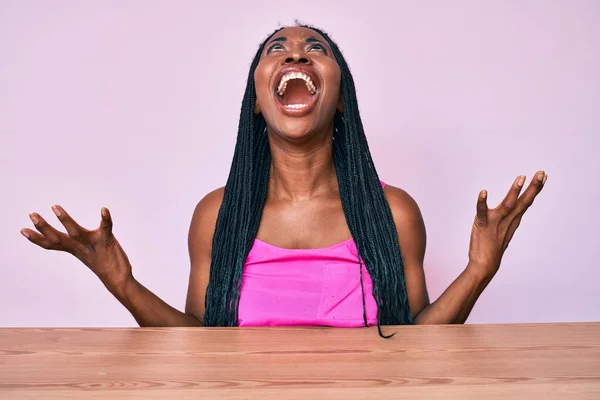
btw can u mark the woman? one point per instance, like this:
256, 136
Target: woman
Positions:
304, 232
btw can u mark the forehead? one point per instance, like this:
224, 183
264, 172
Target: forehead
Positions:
298, 33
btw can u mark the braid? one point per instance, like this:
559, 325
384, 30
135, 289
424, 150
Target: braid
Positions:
240, 212
367, 212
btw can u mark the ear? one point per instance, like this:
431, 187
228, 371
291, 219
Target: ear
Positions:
340, 106
256, 108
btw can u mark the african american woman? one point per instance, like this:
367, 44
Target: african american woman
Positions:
304, 233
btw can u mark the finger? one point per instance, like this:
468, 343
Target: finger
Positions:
106, 224
510, 200
74, 230
45, 229
535, 187
38, 239
482, 208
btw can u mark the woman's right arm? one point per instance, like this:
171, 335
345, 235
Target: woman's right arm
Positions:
100, 251
149, 310
200, 237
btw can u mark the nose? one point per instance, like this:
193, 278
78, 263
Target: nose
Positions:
296, 58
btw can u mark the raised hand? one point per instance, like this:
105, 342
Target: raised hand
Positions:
97, 249
494, 228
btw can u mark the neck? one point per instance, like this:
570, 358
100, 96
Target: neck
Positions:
302, 171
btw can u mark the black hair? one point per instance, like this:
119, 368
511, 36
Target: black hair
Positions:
367, 212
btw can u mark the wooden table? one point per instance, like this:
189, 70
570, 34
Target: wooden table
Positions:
530, 361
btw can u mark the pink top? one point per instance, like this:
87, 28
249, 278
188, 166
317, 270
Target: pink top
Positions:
308, 287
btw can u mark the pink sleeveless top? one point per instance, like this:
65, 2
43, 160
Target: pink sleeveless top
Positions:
305, 287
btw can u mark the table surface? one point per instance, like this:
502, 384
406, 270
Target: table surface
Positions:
511, 361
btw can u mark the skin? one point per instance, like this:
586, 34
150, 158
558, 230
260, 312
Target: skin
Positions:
302, 210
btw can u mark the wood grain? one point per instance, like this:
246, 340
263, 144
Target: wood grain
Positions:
466, 361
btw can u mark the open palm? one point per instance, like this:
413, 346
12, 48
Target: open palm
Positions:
98, 249
493, 229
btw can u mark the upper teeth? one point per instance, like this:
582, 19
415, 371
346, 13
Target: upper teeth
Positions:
296, 75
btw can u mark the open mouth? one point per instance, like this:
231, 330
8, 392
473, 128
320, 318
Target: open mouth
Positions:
296, 92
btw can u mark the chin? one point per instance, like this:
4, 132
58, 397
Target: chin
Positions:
296, 131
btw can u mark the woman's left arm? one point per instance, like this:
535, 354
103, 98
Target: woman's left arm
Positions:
492, 231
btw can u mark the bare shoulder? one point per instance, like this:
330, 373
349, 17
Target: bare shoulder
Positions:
202, 229
403, 205
409, 223
204, 218
412, 239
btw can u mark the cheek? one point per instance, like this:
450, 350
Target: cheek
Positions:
261, 84
334, 91
333, 79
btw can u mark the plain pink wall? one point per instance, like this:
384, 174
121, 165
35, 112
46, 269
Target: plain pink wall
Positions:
134, 105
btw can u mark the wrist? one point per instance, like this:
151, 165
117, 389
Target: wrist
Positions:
123, 289
481, 272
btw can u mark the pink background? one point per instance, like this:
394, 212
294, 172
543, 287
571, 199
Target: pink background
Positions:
134, 105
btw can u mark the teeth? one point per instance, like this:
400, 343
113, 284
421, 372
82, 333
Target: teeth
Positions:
296, 75
296, 105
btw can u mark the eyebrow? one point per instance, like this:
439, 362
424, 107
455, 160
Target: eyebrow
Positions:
308, 40
279, 39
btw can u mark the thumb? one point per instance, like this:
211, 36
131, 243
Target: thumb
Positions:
106, 224
482, 209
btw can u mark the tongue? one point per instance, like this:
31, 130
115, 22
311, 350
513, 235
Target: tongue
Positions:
296, 93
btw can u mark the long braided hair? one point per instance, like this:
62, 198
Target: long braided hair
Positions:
367, 212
